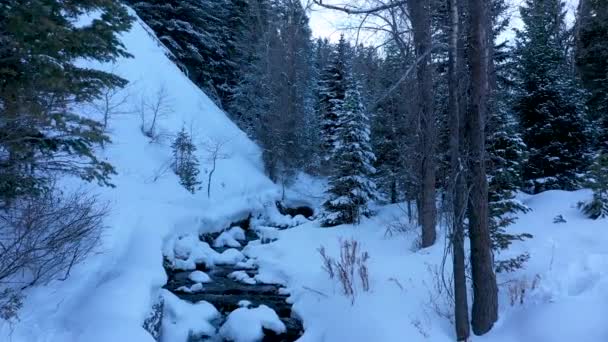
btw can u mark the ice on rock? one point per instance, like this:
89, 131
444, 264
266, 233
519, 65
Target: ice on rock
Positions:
242, 277
246, 325
199, 277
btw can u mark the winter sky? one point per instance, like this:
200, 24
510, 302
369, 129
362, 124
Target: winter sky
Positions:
331, 23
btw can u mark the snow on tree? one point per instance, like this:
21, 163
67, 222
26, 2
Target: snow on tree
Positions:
351, 185
42, 132
598, 182
184, 163
507, 152
333, 85
548, 100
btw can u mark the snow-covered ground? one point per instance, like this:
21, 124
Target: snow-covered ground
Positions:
557, 297
565, 283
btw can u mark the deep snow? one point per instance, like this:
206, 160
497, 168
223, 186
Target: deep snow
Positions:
108, 297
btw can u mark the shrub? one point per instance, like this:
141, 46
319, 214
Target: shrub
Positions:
43, 237
351, 265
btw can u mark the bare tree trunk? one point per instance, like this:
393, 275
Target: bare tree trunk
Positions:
461, 305
421, 24
485, 291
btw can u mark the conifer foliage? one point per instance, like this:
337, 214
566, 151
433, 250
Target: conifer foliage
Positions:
333, 84
41, 134
351, 185
185, 163
549, 101
598, 182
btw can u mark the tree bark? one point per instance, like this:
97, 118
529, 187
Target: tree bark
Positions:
485, 290
455, 68
421, 24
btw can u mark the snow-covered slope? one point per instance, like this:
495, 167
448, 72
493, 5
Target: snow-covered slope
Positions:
107, 298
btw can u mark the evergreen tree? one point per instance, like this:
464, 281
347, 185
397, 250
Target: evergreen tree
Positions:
507, 152
392, 139
42, 134
598, 182
333, 84
274, 98
592, 61
548, 100
199, 39
185, 164
351, 185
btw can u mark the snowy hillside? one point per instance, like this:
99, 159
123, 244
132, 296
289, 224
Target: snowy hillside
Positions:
108, 297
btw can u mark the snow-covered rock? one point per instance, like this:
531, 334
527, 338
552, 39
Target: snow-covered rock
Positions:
242, 276
246, 325
183, 320
199, 277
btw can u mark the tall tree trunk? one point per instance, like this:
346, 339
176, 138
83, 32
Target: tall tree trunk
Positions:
421, 23
485, 290
455, 68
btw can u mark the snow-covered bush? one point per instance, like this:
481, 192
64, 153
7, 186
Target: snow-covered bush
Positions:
350, 269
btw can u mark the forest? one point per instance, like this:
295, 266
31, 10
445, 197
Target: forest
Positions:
448, 111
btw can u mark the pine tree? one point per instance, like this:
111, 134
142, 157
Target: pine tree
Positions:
333, 85
351, 185
598, 182
42, 134
507, 152
392, 140
592, 61
548, 100
199, 39
185, 164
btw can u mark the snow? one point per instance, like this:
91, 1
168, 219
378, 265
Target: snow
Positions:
199, 277
183, 320
230, 238
108, 297
230, 257
242, 276
565, 281
152, 217
246, 325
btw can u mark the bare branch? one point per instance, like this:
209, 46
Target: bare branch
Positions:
353, 10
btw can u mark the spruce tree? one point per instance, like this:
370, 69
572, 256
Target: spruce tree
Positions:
185, 164
199, 39
598, 182
507, 152
548, 101
351, 185
42, 133
332, 91
592, 61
